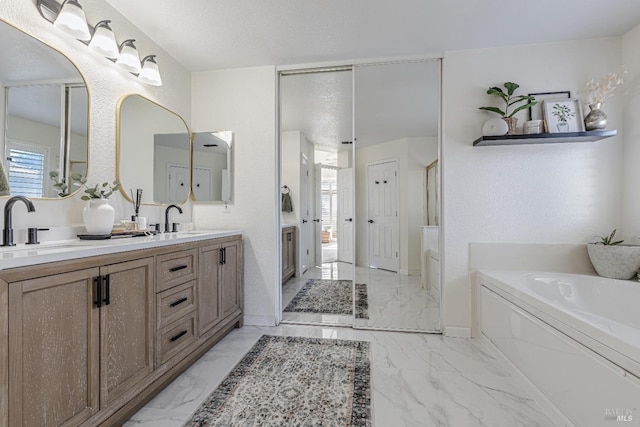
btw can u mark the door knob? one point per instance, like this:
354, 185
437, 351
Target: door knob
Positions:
304, 221
349, 219
316, 220
371, 221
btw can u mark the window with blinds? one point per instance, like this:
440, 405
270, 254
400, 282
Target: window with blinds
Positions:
26, 172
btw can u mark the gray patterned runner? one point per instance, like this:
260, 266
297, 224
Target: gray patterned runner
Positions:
295, 381
330, 297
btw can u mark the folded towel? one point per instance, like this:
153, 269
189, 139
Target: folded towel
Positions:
287, 206
4, 182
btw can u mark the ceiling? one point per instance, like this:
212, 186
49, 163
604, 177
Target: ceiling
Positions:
218, 34
221, 34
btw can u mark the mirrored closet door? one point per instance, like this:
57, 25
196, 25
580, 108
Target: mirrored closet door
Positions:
360, 195
397, 109
317, 195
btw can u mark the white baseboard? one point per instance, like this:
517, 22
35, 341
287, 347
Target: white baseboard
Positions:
259, 320
457, 332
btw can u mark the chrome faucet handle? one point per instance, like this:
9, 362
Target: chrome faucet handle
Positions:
32, 235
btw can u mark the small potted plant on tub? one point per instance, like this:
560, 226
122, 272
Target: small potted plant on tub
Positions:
612, 259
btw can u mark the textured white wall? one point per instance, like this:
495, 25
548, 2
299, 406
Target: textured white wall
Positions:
106, 85
545, 193
631, 193
243, 101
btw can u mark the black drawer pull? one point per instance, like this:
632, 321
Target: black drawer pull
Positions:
178, 302
178, 268
177, 337
107, 289
99, 291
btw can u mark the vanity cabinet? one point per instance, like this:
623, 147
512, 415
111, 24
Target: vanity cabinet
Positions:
220, 295
288, 253
78, 341
89, 341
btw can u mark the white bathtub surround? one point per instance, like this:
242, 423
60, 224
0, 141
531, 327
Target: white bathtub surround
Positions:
417, 380
568, 332
615, 261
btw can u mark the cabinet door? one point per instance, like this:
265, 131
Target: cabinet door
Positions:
53, 350
126, 322
230, 278
208, 303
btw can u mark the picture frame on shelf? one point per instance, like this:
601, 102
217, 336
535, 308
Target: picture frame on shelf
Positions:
535, 112
563, 115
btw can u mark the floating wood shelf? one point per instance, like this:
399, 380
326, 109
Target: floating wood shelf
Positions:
545, 138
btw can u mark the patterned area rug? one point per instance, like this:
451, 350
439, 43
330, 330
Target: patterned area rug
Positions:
330, 297
293, 381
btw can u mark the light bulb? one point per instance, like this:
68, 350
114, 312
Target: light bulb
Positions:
72, 20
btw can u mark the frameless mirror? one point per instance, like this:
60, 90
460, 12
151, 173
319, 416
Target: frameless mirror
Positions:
44, 115
212, 173
153, 151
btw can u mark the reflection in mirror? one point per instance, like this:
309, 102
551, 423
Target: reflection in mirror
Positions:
212, 166
45, 112
153, 151
397, 134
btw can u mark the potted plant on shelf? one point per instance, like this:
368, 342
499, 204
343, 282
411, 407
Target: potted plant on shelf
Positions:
510, 100
563, 113
597, 92
612, 259
98, 215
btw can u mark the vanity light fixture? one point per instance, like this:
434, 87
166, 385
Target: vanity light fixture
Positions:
69, 17
104, 41
73, 21
129, 59
150, 74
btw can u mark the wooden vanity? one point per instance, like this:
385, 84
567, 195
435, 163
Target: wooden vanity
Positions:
88, 341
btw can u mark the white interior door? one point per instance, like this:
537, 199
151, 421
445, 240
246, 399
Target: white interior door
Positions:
382, 192
202, 189
306, 225
317, 221
345, 215
178, 183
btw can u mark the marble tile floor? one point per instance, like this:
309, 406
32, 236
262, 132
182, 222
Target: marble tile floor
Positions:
417, 380
396, 301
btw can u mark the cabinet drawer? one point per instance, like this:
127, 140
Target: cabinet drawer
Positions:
175, 268
176, 302
176, 337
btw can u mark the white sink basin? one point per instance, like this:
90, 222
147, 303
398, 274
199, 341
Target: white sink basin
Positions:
615, 261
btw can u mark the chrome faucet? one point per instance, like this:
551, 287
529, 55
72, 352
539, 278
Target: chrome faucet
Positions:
166, 218
7, 233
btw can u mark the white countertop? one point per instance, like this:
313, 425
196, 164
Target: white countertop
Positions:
24, 255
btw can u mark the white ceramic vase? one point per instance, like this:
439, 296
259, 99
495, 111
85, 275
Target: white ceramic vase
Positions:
98, 216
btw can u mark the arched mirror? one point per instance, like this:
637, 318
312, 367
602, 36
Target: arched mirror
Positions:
44, 115
153, 152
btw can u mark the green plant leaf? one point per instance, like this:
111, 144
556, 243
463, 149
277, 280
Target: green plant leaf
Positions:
511, 87
493, 110
522, 107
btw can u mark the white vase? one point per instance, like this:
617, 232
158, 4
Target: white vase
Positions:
98, 216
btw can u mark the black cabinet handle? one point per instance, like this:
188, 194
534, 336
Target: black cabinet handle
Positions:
178, 336
177, 268
107, 289
221, 256
224, 255
178, 302
99, 291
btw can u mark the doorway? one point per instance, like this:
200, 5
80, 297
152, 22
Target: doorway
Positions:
382, 208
